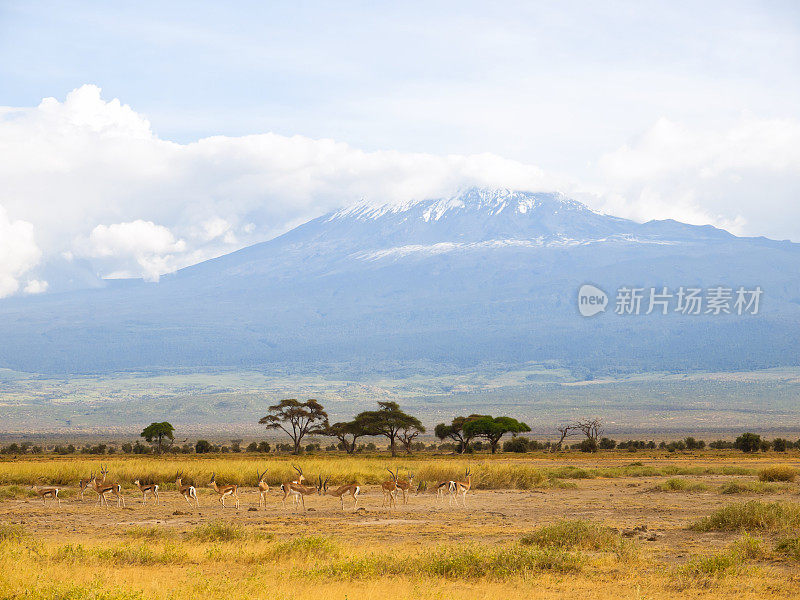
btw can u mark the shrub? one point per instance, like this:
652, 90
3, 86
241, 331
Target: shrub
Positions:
572, 535
588, 445
747, 487
203, 447
516, 444
607, 444
789, 546
676, 484
780, 444
751, 515
218, 531
11, 533
777, 473
748, 442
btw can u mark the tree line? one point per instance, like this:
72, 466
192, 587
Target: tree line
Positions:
299, 419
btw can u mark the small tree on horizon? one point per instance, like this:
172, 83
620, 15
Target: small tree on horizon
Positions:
347, 433
494, 428
455, 432
296, 419
388, 421
157, 433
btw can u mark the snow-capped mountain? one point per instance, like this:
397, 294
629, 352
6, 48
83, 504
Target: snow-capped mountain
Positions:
484, 276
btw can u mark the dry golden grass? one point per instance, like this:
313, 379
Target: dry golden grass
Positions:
518, 537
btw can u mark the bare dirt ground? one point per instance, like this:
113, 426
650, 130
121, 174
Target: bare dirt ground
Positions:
656, 521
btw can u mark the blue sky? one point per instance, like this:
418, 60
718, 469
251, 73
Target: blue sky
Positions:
649, 110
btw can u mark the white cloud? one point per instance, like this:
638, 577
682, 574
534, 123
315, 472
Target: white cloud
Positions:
153, 247
742, 177
18, 252
96, 182
36, 286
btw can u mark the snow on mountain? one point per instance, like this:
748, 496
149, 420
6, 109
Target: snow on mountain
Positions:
485, 276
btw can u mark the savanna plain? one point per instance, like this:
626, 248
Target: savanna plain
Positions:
650, 524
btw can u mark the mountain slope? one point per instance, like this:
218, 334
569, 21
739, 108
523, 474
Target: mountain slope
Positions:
488, 276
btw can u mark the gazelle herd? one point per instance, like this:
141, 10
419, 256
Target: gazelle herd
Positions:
298, 489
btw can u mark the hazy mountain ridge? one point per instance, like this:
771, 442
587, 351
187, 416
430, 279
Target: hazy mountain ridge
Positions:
487, 276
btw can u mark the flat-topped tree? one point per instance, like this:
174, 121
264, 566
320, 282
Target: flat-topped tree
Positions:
493, 428
389, 421
347, 433
157, 433
455, 432
296, 419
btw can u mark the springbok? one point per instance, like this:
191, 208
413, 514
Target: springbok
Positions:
186, 490
444, 487
224, 491
102, 488
85, 484
145, 488
49, 491
405, 487
263, 488
462, 487
340, 492
298, 491
390, 490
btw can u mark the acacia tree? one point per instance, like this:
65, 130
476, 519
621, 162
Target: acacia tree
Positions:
388, 421
493, 428
158, 432
354, 429
455, 432
296, 419
407, 435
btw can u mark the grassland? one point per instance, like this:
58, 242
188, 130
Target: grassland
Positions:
659, 527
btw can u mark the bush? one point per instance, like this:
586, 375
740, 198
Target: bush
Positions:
218, 531
748, 442
588, 445
203, 447
777, 473
516, 444
780, 444
572, 535
722, 445
751, 515
607, 444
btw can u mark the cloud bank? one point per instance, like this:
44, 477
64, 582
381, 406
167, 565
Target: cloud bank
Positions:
89, 180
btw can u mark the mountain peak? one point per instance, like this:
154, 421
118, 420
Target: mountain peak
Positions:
487, 201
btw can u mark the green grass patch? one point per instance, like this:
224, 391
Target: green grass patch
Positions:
678, 484
751, 515
789, 546
777, 473
11, 533
573, 535
463, 563
218, 531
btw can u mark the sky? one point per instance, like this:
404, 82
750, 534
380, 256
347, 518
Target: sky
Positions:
137, 138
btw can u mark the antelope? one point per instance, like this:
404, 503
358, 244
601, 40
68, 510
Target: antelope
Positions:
390, 490
352, 489
263, 488
145, 488
405, 487
461, 487
85, 484
45, 492
225, 491
102, 488
297, 490
187, 491
440, 489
